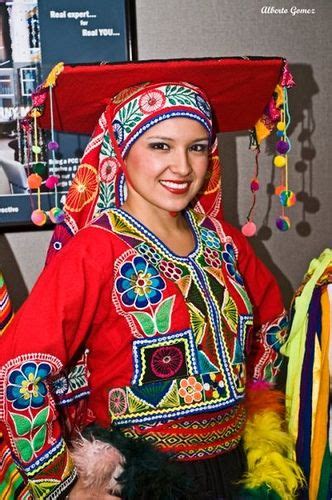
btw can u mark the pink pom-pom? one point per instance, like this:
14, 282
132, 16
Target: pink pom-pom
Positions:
254, 185
52, 181
249, 229
39, 217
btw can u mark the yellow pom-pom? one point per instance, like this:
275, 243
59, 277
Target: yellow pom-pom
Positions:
280, 126
279, 161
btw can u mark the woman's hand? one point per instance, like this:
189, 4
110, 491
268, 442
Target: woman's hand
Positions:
81, 492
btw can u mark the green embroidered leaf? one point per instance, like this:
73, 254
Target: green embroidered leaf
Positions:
146, 322
40, 418
39, 439
163, 315
22, 424
24, 447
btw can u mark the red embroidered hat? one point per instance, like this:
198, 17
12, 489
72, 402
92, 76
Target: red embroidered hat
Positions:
239, 89
244, 93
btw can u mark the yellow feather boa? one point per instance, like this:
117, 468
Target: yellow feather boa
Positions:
267, 446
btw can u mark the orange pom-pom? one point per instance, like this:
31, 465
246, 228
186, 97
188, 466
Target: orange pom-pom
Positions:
34, 181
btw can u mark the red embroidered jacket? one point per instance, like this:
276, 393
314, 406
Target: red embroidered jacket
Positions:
167, 341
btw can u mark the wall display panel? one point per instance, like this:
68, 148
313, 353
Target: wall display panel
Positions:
34, 36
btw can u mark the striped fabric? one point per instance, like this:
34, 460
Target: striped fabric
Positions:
6, 311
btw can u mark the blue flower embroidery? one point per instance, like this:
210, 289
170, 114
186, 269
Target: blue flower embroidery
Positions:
25, 387
210, 238
203, 105
139, 283
276, 334
118, 131
229, 257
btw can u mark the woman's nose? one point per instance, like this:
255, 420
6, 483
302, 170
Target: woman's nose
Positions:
181, 163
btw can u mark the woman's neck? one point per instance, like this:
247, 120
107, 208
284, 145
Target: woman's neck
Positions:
172, 229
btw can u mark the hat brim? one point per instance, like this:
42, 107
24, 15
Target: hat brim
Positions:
238, 88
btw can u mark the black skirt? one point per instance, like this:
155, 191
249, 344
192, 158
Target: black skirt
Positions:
217, 478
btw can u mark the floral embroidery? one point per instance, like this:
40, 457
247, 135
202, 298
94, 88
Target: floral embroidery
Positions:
25, 387
213, 385
212, 258
60, 385
170, 270
166, 361
190, 390
118, 131
210, 238
139, 284
117, 401
108, 169
276, 334
203, 105
82, 189
152, 101
229, 257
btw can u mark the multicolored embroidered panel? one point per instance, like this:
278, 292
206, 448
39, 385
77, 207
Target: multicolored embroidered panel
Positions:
178, 373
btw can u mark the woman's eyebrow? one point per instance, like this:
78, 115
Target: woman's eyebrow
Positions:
162, 138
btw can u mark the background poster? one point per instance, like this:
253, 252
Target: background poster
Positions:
34, 36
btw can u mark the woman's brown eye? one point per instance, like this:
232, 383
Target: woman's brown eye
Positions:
159, 145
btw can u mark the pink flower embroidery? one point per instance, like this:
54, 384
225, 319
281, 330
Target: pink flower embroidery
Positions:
151, 101
108, 169
190, 390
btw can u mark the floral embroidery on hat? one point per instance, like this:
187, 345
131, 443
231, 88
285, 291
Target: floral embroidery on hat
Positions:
83, 188
108, 169
152, 101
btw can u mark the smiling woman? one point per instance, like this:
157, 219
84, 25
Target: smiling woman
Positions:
155, 322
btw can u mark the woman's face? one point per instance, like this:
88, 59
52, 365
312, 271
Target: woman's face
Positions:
167, 165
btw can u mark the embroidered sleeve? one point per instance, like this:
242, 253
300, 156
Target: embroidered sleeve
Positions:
270, 319
48, 331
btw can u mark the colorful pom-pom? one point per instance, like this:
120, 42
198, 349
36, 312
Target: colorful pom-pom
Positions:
280, 126
280, 133
287, 198
39, 168
52, 181
56, 215
39, 217
36, 149
34, 181
249, 229
53, 146
283, 223
279, 189
279, 161
282, 147
254, 185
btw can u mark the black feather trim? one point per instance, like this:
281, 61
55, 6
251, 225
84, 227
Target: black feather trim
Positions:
149, 474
